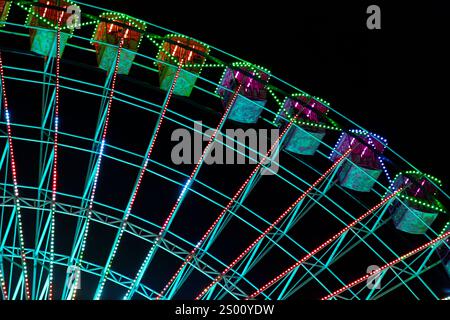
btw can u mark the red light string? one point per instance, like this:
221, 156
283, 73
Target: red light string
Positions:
55, 162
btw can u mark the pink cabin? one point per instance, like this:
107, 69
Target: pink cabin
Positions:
306, 135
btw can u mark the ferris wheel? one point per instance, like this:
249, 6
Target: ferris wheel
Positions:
94, 207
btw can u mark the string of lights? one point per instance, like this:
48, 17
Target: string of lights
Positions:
57, 223
225, 210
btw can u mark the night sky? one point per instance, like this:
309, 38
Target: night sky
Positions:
392, 82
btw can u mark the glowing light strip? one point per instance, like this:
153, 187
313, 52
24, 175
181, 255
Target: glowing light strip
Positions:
321, 247
358, 133
386, 266
224, 211
98, 166
15, 183
272, 226
448, 298
434, 179
141, 175
55, 162
309, 123
170, 217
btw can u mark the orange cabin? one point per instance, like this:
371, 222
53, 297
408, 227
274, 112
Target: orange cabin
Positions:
108, 34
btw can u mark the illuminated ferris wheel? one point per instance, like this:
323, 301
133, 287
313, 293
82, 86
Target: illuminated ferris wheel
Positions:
93, 206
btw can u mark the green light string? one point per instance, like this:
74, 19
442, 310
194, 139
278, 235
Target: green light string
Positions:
297, 121
140, 24
434, 179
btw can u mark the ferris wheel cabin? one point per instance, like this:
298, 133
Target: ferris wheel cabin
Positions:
417, 206
44, 21
444, 251
191, 54
252, 95
305, 136
4, 11
364, 164
112, 28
